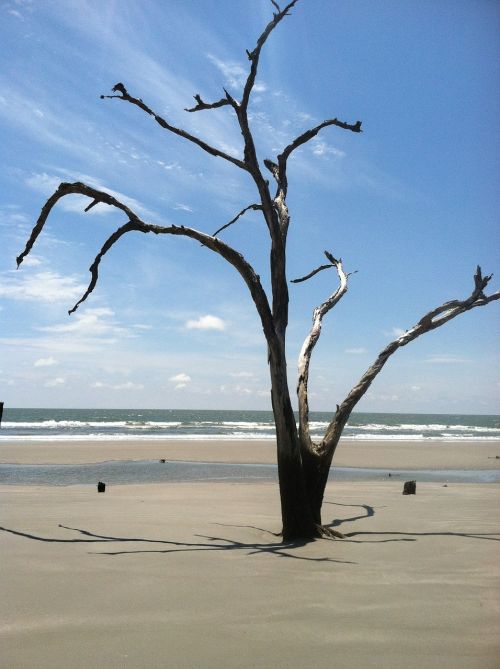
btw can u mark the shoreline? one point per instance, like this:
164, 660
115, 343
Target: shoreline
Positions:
351, 453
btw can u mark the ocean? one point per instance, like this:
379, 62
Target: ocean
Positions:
147, 424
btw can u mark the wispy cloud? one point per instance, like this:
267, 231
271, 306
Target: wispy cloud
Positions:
446, 359
207, 322
46, 184
321, 148
183, 207
128, 385
356, 351
233, 72
395, 332
90, 323
53, 383
44, 286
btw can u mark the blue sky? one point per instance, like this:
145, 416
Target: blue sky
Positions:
411, 203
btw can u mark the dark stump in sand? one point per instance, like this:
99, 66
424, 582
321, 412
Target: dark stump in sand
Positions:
410, 488
101, 487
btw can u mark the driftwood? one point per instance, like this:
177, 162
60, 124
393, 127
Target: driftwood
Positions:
101, 487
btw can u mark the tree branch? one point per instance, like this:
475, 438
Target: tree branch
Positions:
311, 274
203, 105
253, 56
246, 271
124, 95
302, 139
432, 320
254, 207
310, 343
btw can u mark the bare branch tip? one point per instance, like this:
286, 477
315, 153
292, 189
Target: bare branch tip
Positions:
119, 88
92, 204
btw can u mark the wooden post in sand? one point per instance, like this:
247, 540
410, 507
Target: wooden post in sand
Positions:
1, 412
410, 488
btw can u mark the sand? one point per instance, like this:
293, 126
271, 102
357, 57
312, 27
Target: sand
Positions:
350, 453
190, 575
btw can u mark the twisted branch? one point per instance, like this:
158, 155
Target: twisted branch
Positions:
310, 343
134, 223
430, 321
280, 173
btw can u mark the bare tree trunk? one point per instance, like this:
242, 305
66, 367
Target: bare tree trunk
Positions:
296, 511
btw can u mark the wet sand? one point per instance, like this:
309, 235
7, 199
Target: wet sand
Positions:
388, 454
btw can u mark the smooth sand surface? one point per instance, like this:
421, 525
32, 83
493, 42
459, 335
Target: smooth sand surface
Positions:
189, 575
379, 454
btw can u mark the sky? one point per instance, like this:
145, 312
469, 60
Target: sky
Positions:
410, 204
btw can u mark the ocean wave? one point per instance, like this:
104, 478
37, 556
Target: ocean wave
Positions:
235, 436
431, 427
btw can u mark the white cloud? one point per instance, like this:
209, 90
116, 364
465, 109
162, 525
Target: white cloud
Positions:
128, 385
234, 73
356, 351
90, 322
446, 359
59, 381
395, 332
207, 322
321, 148
242, 375
181, 378
14, 12
31, 261
45, 362
183, 207
43, 286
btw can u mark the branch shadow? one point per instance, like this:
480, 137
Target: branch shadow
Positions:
402, 536
487, 536
207, 543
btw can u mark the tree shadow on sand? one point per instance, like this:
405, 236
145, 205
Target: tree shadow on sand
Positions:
206, 543
217, 543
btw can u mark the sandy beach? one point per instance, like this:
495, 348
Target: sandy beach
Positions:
191, 575
350, 453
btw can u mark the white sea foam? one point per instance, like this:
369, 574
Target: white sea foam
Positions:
234, 436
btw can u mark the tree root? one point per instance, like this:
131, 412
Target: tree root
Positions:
328, 533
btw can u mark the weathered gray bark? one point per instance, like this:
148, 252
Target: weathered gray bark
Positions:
303, 465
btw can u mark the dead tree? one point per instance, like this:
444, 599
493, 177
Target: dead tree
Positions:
303, 464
